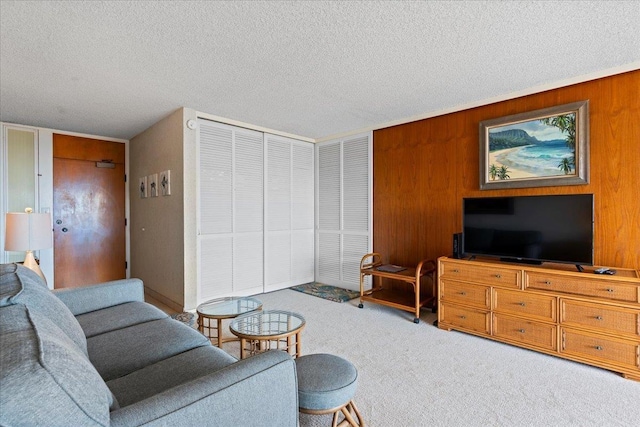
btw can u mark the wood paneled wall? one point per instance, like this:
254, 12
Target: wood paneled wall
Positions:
423, 169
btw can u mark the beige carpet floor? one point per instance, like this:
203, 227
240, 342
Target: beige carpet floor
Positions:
418, 375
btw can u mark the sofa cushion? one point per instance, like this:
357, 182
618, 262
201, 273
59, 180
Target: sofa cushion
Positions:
85, 299
9, 283
168, 373
43, 370
20, 285
118, 317
120, 352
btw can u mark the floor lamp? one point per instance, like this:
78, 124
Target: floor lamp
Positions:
28, 232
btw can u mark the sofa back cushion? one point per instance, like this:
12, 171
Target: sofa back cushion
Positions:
46, 379
20, 285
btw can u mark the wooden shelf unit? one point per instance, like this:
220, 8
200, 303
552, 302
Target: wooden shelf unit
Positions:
395, 296
554, 309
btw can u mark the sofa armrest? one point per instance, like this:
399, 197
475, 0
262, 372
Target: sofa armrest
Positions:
95, 297
258, 391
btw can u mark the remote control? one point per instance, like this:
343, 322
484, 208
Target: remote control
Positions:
609, 271
601, 270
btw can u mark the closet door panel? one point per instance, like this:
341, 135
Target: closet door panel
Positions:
216, 180
302, 189
343, 210
356, 185
289, 205
354, 247
216, 267
231, 200
278, 258
302, 214
302, 256
248, 181
329, 178
328, 258
278, 184
248, 258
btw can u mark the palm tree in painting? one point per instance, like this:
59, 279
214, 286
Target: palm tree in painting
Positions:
503, 172
567, 124
493, 172
566, 165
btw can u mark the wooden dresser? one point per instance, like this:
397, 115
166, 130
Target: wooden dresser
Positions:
554, 309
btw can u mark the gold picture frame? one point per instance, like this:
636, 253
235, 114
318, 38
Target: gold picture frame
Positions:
547, 147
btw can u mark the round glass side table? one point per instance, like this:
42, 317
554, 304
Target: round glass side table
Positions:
223, 308
270, 329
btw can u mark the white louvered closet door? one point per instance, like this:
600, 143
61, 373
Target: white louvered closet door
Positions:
230, 211
343, 206
288, 212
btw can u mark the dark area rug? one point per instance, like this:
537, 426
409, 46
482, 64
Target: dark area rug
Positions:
332, 293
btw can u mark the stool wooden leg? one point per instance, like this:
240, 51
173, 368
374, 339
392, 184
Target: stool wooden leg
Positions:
348, 418
353, 407
334, 423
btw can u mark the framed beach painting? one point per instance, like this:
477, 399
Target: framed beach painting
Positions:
540, 148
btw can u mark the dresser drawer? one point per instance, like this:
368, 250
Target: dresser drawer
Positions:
602, 317
594, 287
525, 331
464, 293
465, 318
494, 276
600, 348
522, 303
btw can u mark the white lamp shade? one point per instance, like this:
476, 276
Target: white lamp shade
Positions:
28, 231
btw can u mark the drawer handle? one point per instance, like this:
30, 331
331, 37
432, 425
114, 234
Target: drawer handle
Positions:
598, 317
455, 270
522, 304
598, 347
610, 290
521, 331
498, 276
547, 282
463, 317
463, 293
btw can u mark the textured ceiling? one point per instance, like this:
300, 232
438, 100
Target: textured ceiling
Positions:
313, 69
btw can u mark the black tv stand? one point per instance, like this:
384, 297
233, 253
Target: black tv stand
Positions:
521, 261
579, 267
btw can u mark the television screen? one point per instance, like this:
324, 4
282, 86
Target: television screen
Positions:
555, 228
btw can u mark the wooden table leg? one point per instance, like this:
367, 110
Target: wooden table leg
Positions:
243, 343
219, 333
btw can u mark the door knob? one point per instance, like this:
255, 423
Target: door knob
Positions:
65, 229
58, 221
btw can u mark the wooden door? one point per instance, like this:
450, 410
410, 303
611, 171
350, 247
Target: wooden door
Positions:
88, 211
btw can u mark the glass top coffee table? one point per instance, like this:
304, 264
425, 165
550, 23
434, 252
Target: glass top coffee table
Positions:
220, 309
269, 329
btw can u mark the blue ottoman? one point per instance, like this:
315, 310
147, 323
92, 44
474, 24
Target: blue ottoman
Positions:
326, 385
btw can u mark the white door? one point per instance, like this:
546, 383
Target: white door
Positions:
343, 209
255, 211
289, 212
230, 211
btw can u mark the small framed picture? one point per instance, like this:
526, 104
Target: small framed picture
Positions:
153, 185
165, 183
142, 188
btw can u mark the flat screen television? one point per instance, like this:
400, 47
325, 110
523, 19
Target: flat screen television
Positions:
532, 229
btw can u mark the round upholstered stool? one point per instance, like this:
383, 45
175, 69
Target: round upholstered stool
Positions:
326, 385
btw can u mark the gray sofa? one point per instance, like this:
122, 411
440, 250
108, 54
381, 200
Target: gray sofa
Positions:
99, 355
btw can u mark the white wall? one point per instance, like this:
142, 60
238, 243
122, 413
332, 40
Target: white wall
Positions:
157, 225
